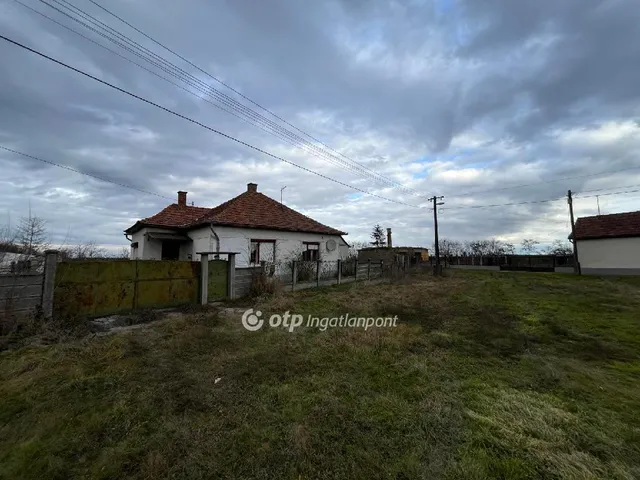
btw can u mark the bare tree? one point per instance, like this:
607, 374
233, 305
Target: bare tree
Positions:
560, 247
486, 248
354, 247
449, 248
31, 235
82, 251
530, 246
8, 246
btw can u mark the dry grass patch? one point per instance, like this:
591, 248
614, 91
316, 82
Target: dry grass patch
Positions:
486, 376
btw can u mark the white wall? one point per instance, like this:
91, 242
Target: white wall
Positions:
150, 249
233, 239
147, 249
609, 253
287, 243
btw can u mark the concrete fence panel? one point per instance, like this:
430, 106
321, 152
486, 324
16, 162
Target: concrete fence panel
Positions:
20, 294
244, 279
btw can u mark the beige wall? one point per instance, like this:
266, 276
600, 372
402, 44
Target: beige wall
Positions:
611, 253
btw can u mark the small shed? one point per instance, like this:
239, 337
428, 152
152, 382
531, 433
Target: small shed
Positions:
397, 255
609, 244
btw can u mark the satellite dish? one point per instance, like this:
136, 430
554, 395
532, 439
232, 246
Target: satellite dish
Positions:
331, 245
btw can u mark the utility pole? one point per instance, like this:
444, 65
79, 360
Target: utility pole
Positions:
434, 199
576, 262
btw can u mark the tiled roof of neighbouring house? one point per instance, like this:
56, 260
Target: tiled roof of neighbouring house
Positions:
609, 226
250, 209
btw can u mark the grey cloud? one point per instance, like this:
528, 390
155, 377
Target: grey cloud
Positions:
516, 73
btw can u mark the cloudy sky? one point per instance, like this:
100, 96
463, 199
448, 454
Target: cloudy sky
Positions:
461, 98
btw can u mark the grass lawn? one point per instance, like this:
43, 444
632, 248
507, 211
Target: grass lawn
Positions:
487, 375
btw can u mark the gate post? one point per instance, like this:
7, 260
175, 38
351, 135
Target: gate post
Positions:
231, 276
204, 278
49, 281
339, 271
294, 275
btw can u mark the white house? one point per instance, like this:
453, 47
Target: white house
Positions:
609, 244
253, 225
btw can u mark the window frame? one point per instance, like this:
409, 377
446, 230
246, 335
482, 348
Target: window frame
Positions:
306, 251
170, 247
259, 241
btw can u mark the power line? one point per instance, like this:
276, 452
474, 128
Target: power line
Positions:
147, 69
246, 113
609, 172
83, 173
612, 193
502, 204
541, 201
138, 97
233, 89
602, 189
182, 75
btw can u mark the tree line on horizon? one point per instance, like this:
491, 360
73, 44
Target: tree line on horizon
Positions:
30, 238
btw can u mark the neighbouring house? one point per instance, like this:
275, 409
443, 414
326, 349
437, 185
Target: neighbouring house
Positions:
390, 254
256, 227
609, 244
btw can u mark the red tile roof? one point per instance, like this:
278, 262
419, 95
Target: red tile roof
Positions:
249, 210
609, 226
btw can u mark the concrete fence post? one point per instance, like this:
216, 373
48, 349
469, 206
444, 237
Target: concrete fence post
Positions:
318, 273
339, 271
368, 269
294, 275
204, 278
231, 276
381, 268
49, 281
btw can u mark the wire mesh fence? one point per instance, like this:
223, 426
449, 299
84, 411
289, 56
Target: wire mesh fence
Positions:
301, 274
328, 270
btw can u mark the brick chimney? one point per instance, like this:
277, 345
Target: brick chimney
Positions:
182, 198
389, 244
252, 187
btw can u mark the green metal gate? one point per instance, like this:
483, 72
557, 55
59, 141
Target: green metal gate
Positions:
217, 286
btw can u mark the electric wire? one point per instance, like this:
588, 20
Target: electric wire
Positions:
196, 122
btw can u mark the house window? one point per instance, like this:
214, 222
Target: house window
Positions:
310, 251
170, 250
262, 251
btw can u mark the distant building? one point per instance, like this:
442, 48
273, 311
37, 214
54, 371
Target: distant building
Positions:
391, 254
609, 244
398, 255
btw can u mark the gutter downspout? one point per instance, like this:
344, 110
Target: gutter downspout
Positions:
217, 240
